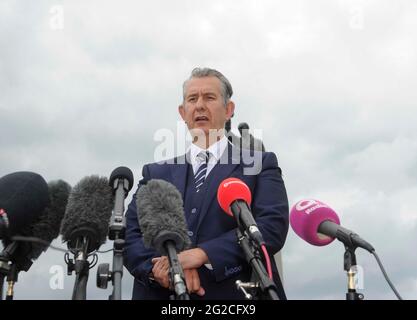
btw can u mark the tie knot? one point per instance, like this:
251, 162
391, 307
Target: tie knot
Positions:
203, 156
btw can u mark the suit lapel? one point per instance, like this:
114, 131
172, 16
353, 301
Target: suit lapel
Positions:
179, 174
230, 159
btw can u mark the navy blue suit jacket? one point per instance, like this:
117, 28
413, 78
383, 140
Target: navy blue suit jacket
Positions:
216, 231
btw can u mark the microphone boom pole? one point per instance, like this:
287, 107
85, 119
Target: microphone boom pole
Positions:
176, 272
81, 268
121, 180
251, 251
5, 267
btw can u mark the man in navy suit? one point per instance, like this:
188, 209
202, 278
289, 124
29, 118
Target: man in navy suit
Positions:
216, 260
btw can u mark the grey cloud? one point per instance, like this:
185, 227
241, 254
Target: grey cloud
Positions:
334, 99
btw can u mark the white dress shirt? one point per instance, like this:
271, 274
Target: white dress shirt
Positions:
216, 150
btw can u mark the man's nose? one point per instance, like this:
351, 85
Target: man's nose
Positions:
200, 103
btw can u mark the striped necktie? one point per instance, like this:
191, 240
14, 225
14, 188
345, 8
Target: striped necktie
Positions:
200, 175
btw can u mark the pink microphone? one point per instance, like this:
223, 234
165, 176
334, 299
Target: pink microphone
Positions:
319, 225
306, 216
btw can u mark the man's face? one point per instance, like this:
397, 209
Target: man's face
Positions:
203, 106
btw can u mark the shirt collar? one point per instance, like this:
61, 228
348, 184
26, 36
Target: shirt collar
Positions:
216, 150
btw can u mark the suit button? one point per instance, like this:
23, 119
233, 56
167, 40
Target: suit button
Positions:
194, 210
190, 233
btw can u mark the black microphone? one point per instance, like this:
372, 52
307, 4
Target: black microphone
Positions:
27, 245
46, 227
344, 235
121, 182
248, 141
85, 225
162, 222
23, 198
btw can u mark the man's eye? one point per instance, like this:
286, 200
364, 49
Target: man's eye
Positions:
192, 99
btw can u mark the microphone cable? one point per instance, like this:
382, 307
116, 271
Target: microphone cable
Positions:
386, 276
268, 261
46, 243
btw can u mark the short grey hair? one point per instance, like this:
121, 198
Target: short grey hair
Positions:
226, 87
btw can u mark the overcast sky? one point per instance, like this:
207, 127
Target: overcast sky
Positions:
85, 85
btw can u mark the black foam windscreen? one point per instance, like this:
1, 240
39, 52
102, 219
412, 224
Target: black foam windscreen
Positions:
24, 196
47, 226
122, 173
161, 216
88, 212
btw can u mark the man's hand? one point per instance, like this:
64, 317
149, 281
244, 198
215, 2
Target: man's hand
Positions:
160, 271
192, 279
190, 261
193, 258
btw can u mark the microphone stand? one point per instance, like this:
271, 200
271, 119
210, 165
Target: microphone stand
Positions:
104, 275
81, 268
11, 280
4, 264
264, 283
12, 261
350, 267
1, 286
117, 233
176, 273
117, 230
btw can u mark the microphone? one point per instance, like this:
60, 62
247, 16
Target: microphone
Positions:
248, 141
87, 214
27, 245
46, 227
23, 198
234, 198
161, 216
319, 225
125, 175
85, 226
121, 182
162, 222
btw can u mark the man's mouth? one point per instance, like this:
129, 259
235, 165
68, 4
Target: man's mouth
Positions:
201, 118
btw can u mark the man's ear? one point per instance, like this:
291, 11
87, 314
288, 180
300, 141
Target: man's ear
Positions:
181, 111
230, 109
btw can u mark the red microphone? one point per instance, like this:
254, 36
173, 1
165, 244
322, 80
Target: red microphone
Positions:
234, 198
